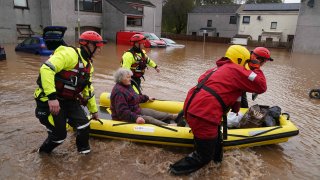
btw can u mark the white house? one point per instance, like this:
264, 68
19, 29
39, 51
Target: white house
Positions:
274, 22
217, 20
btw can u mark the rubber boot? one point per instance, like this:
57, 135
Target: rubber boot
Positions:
202, 155
82, 140
218, 148
48, 146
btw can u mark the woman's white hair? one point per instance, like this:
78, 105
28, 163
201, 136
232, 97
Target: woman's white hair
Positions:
120, 73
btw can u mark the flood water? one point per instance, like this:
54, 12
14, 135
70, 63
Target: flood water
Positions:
290, 78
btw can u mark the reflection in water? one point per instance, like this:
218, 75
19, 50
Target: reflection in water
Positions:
290, 77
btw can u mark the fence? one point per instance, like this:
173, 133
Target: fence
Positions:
196, 38
286, 45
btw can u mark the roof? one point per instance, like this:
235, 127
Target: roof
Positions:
246, 36
124, 6
272, 7
231, 8
265, 33
208, 29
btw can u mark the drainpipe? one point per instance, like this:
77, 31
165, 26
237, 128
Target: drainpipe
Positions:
51, 17
154, 22
78, 4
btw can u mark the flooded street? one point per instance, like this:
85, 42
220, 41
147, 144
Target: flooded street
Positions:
290, 78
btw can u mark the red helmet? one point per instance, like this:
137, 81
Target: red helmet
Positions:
262, 52
139, 38
92, 37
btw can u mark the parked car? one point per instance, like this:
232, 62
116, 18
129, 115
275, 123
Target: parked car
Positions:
51, 39
152, 40
171, 43
3, 55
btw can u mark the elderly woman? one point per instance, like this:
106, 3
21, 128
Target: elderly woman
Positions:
125, 103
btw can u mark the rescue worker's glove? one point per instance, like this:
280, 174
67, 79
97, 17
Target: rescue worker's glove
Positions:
236, 107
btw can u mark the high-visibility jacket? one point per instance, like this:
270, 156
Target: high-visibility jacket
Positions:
229, 81
65, 62
137, 62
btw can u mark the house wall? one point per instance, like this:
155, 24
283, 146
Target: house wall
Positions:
286, 23
66, 15
7, 22
219, 21
42, 13
10, 17
45, 13
308, 29
149, 14
158, 16
112, 21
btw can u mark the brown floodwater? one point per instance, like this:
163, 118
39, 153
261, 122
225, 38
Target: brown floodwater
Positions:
290, 78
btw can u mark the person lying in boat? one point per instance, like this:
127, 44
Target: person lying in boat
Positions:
125, 103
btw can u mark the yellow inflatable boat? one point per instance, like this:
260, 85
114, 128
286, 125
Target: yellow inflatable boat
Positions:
182, 136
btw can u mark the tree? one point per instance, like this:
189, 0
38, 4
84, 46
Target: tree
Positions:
263, 1
175, 15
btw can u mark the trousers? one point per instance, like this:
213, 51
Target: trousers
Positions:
156, 117
70, 112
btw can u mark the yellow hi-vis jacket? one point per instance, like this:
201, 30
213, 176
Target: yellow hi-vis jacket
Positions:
128, 60
64, 58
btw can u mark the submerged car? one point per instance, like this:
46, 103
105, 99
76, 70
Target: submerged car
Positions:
3, 55
171, 43
152, 40
52, 38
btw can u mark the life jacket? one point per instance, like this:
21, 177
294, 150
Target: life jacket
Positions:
225, 109
69, 84
138, 68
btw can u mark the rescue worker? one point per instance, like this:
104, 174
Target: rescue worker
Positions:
219, 89
137, 60
64, 85
258, 52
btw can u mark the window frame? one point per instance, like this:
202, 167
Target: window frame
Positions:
245, 22
273, 23
233, 18
21, 7
93, 2
134, 19
209, 23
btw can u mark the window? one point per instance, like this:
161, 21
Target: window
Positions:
35, 41
233, 20
27, 41
246, 20
89, 5
23, 4
273, 25
194, 33
24, 31
134, 21
209, 23
151, 36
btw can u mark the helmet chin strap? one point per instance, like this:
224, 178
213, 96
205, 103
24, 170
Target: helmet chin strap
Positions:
91, 53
